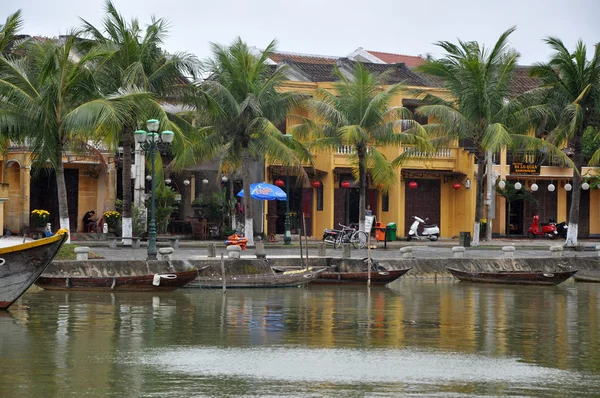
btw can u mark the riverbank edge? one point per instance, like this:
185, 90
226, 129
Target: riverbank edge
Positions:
420, 268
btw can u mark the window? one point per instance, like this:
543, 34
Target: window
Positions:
320, 198
385, 202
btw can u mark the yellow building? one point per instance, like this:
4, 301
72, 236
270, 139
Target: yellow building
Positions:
438, 186
90, 180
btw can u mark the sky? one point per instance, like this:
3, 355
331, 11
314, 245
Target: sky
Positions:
335, 27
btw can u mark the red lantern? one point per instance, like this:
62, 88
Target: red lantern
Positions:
317, 184
345, 184
456, 185
279, 183
379, 186
412, 184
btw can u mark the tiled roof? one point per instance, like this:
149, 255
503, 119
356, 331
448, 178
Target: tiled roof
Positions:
304, 58
315, 72
397, 73
409, 60
522, 82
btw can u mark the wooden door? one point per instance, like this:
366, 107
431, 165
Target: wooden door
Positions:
423, 202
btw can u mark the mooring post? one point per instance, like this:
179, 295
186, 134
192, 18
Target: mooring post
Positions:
322, 249
212, 249
556, 251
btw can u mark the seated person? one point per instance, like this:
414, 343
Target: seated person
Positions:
90, 222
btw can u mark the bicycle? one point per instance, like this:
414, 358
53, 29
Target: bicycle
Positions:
350, 235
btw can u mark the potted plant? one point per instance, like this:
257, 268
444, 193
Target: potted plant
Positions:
111, 218
40, 218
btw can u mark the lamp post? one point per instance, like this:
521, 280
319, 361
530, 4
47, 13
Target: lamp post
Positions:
149, 141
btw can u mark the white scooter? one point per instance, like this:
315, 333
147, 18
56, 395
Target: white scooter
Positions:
430, 231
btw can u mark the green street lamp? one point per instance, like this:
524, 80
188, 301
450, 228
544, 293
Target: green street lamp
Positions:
287, 237
150, 141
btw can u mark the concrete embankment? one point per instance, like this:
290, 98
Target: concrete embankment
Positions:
421, 268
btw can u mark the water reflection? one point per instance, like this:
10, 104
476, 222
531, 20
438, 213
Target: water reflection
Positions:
413, 337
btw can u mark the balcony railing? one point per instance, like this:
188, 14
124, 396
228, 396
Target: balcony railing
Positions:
438, 153
347, 150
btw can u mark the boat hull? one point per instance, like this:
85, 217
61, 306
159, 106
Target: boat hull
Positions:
514, 277
22, 264
133, 283
257, 280
587, 276
360, 278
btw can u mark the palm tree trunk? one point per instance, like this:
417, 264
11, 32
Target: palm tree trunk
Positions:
478, 198
61, 187
362, 181
490, 195
572, 231
248, 214
127, 219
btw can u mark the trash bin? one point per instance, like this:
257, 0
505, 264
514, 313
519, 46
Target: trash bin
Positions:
465, 239
390, 230
379, 231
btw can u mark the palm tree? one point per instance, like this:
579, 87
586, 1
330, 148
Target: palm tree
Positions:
139, 63
571, 88
359, 113
8, 32
241, 105
51, 99
476, 106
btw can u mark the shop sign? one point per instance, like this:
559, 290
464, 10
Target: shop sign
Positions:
524, 168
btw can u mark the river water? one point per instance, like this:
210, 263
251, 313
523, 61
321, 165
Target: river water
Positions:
412, 338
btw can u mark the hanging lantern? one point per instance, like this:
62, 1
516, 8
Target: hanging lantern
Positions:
501, 184
585, 186
551, 187
379, 186
534, 187
412, 184
456, 186
568, 187
518, 186
279, 183
317, 184
345, 184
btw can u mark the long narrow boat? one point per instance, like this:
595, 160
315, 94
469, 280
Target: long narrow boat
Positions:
131, 283
284, 279
588, 275
514, 277
20, 266
381, 277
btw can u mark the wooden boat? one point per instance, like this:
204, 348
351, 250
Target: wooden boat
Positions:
380, 277
514, 277
20, 266
131, 283
587, 275
284, 279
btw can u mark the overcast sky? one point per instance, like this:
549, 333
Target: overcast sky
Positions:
335, 27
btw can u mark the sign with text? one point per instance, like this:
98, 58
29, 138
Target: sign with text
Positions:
524, 168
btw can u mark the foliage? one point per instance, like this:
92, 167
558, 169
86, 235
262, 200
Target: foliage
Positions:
240, 106
53, 102
138, 220
360, 113
40, 217
293, 216
477, 105
119, 205
571, 93
214, 208
511, 194
165, 206
111, 218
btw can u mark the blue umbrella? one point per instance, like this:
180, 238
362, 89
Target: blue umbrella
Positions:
264, 191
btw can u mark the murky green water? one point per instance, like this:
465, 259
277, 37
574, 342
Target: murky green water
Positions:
409, 339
